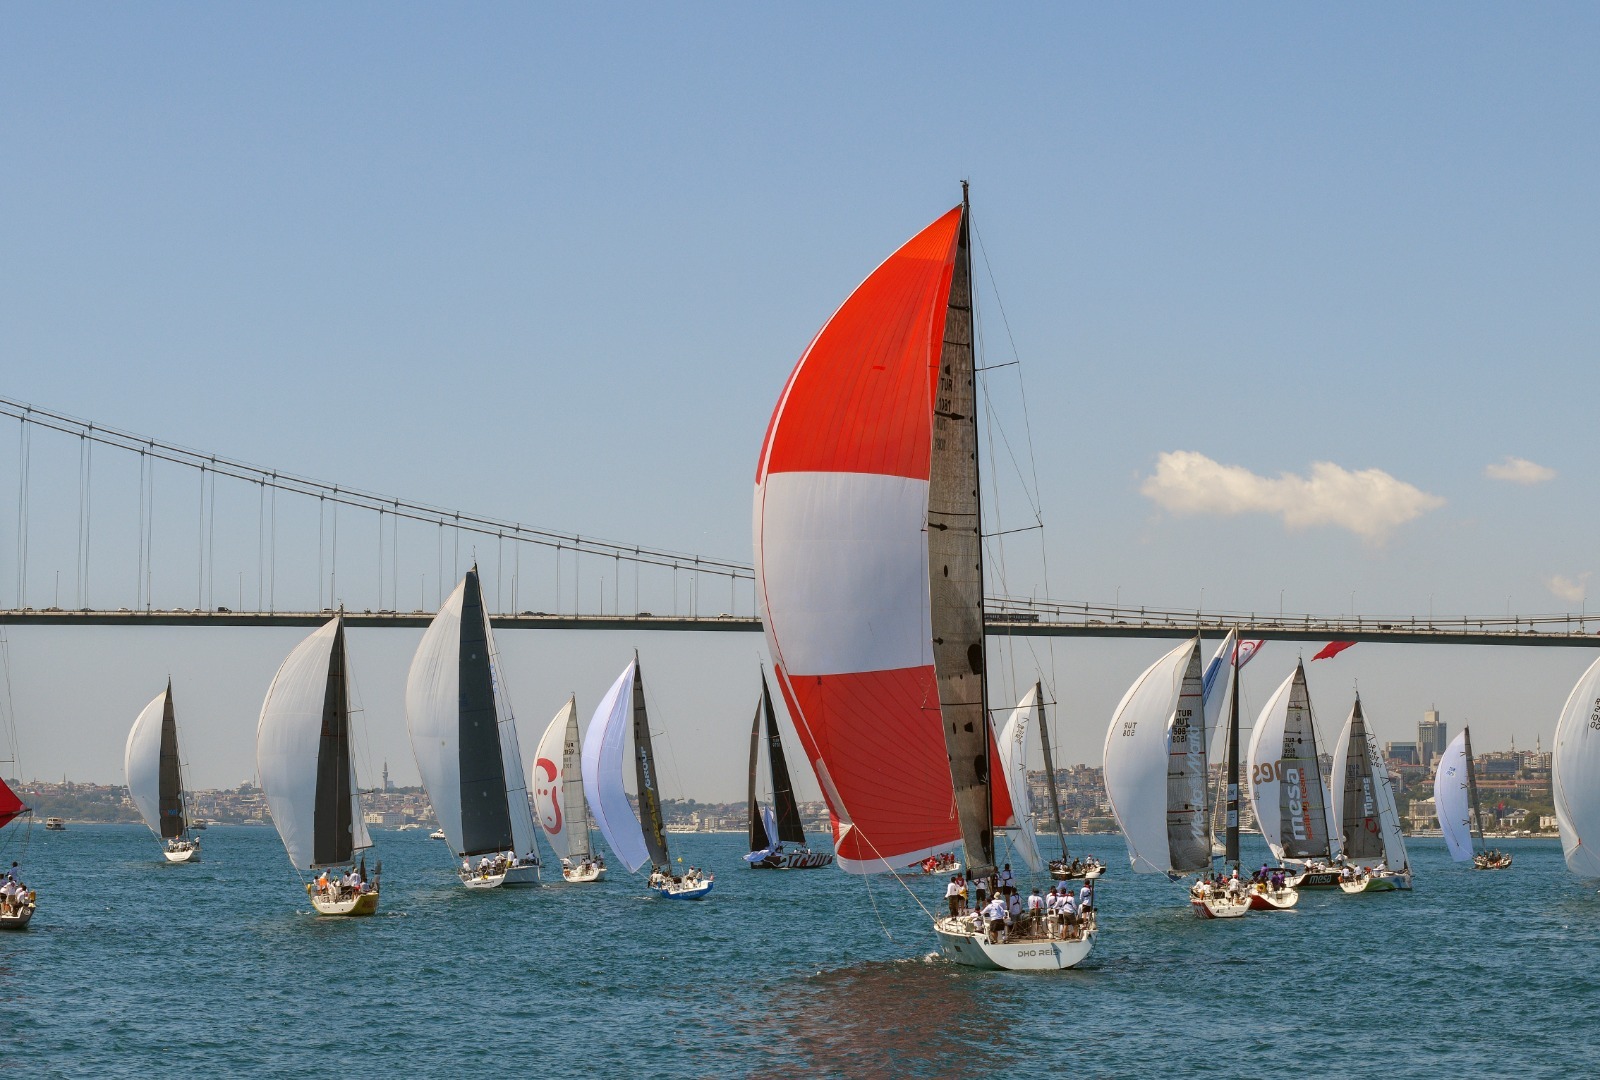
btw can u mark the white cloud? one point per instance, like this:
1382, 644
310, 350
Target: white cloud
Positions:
1564, 588
1370, 503
1520, 471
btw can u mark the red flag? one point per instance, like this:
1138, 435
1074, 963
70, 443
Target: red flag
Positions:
1332, 649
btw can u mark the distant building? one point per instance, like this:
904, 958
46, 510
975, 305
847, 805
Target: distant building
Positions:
1432, 738
1404, 752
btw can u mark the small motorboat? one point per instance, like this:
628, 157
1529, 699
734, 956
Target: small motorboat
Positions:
1492, 860
55, 824
437, 834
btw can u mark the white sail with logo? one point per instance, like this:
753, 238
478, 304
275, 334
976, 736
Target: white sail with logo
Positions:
1013, 744
548, 780
1155, 766
1575, 775
1370, 820
1287, 792
1452, 798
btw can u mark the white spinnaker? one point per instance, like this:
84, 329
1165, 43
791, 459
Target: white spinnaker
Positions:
433, 719
288, 739
1575, 776
548, 779
141, 762
1136, 760
1218, 674
1013, 743
602, 773
1266, 741
1452, 800
518, 805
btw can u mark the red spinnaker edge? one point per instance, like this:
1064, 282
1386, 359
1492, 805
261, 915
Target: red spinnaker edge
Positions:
1332, 649
10, 805
860, 402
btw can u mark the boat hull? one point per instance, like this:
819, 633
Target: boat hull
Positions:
579, 875
1067, 874
192, 855
362, 904
960, 945
1320, 877
698, 891
1372, 883
18, 921
1273, 899
1480, 863
511, 877
1219, 906
794, 860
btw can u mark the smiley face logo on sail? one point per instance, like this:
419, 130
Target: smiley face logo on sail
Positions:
546, 795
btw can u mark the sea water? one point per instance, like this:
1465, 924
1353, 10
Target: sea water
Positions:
136, 967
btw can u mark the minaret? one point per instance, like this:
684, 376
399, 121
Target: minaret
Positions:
386, 785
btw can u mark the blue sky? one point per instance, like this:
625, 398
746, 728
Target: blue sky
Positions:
554, 265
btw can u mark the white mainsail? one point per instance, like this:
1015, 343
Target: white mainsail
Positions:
1013, 744
446, 721
557, 785
1575, 775
1286, 787
142, 762
293, 748
602, 773
1155, 766
1452, 798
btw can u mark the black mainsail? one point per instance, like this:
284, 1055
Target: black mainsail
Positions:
174, 823
655, 836
333, 827
1363, 839
784, 805
485, 812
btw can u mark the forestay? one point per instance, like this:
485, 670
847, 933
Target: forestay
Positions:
303, 754
1576, 775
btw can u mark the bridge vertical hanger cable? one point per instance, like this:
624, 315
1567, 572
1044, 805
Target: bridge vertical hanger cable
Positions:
272, 547
380, 561
24, 454
200, 547
261, 545
321, 550
211, 545
88, 518
333, 561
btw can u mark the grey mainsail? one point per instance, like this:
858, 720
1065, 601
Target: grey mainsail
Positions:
1363, 838
1050, 771
955, 569
1188, 830
1304, 814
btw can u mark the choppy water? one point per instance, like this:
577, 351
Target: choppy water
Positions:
136, 967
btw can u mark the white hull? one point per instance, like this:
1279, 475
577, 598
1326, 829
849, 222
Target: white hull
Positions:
19, 921
511, 877
1384, 882
578, 875
191, 855
962, 945
1215, 905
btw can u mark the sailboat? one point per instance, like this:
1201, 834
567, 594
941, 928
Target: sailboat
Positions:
155, 778
557, 784
309, 775
1373, 849
869, 570
633, 841
1287, 793
1455, 799
17, 901
1156, 777
1222, 903
465, 741
1575, 775
773, 826
1012, 742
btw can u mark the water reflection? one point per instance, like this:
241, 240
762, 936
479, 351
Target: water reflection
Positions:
909, 1017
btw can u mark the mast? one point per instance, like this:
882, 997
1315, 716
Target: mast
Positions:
655, 837
170, 783
790, 831
1231, 836
955, 567
1472, 788
758, 831
1050, 770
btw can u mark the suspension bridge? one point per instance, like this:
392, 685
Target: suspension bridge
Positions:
148, 543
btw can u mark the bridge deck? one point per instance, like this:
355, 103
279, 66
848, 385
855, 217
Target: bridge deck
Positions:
1542, 630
